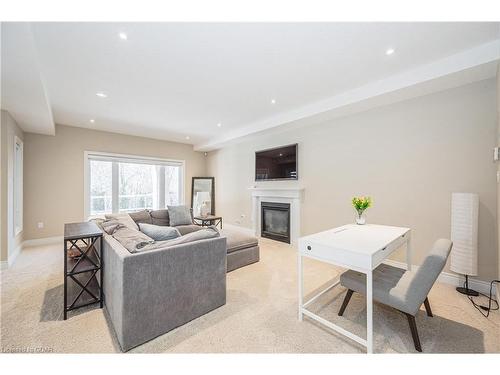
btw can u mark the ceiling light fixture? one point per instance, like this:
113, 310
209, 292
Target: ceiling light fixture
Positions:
390, 51
273, 101
219, 125
187, 137
92, 120
123, 36
101, 95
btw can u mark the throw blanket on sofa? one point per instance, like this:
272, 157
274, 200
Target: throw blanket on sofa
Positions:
202, 234
136, 241
131, 239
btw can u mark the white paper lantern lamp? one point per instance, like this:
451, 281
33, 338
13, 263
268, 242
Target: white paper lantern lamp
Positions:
464, 228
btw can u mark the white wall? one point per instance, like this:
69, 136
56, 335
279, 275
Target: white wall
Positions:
408, 156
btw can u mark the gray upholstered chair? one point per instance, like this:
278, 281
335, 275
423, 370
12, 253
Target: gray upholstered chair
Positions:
401, 289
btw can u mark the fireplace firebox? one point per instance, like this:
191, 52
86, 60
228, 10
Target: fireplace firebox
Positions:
275, 221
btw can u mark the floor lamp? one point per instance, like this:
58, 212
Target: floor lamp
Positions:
464, 226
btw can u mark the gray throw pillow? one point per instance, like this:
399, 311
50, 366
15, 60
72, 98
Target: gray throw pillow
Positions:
159, 232
179, 215
143, 216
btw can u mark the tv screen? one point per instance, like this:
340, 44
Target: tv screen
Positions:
276, 164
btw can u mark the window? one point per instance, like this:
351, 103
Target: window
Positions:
18, 186
118, 183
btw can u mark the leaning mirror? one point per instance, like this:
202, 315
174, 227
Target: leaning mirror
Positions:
203, 196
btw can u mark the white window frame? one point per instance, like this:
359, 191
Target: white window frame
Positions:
124, 158
17, 190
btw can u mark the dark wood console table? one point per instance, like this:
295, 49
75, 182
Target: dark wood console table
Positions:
208, 220
83, 266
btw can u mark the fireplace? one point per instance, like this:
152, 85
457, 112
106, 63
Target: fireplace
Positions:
275, 221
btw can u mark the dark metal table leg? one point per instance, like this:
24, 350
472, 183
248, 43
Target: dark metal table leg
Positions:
65, 281
101, 271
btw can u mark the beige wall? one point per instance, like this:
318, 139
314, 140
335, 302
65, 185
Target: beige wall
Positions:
54, 172
408, 156
9, 129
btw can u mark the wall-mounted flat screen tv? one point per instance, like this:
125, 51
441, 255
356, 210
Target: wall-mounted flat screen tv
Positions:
278, 163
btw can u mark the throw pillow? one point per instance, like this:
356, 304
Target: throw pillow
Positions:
123, 219
142, 216
159, 232
179, 215
160, 217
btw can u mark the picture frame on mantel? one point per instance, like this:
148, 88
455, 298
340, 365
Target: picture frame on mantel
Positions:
203, 196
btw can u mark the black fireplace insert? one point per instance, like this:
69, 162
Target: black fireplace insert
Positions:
275, 221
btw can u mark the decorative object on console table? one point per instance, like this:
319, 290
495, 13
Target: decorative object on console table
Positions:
83, 274
464, 227
203, 196
360, 204
208, 220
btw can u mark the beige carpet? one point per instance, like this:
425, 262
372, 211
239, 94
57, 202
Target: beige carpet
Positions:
260, 315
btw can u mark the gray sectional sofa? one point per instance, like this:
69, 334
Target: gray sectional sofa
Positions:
152, 292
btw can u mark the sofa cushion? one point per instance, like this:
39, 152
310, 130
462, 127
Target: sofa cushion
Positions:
160, 217
237, 240
185, 229
124, 219
143, 216
159, 232
179, 215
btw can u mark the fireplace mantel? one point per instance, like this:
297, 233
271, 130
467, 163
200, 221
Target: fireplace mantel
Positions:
291, 195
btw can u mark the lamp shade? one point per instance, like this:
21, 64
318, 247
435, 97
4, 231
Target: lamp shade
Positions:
464, 226
203, 196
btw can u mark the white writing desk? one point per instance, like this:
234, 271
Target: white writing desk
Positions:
358, 247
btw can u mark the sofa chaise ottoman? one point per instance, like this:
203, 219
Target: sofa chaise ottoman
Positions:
242, 249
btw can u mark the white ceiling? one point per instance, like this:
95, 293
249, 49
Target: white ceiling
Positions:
173, 80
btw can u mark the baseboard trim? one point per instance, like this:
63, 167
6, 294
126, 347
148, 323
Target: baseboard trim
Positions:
43, 241
245, 230
4, 265
452, 279
12, 257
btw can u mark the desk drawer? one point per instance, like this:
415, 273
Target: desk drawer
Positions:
339, 257
384, 253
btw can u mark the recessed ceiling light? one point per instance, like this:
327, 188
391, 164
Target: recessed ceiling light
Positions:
390, 51
281, 154
101, 95
92, 120
273, 101
187, 137
219, 125
123, 36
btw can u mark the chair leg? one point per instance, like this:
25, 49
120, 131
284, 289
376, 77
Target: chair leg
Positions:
347, 298
428, 307
414, 332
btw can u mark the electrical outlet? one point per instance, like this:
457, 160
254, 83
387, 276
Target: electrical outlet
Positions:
40, 225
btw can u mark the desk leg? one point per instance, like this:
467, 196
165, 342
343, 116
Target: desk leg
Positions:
369, 312
300, 277
408, 253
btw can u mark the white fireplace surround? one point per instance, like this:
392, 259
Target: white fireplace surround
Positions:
290, 195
